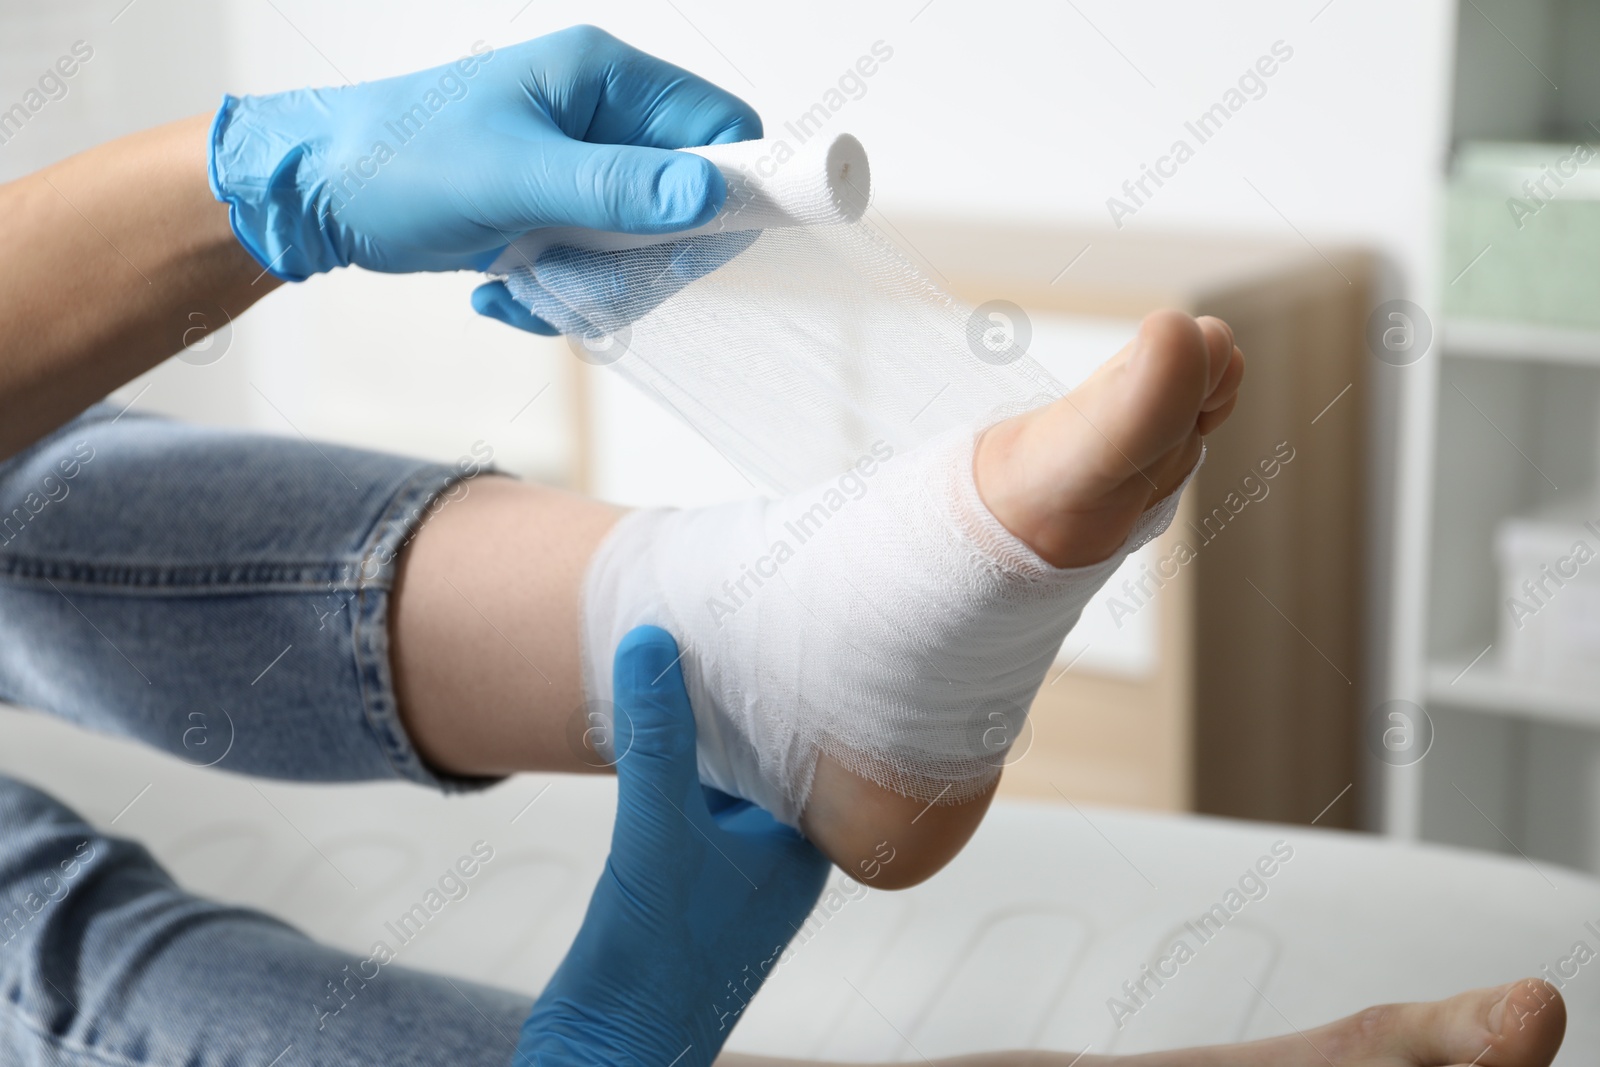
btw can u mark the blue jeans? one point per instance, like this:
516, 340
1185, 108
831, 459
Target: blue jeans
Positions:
151, 570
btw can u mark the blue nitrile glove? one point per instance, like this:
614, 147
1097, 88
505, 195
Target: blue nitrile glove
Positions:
699, 897
441, 169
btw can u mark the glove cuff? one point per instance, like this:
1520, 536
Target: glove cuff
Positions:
275, 201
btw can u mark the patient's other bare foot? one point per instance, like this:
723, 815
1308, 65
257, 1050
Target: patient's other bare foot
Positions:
1070, 479
1515, 1025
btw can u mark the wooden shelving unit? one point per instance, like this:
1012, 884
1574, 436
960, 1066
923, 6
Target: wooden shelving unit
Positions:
1503, 420
1521, 342
1485, 687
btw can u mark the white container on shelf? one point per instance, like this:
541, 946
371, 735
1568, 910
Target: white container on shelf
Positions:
1549, 611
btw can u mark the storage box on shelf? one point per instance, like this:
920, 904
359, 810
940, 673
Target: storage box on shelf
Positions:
1524, 220
1503, 430
1550, 619
1512, 612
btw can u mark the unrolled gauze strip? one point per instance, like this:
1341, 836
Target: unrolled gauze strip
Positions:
788, 332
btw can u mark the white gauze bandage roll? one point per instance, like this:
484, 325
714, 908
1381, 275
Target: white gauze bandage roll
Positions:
874, 611
831, 185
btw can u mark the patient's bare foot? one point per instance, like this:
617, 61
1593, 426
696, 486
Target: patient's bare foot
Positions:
1070, 479
1516, 1025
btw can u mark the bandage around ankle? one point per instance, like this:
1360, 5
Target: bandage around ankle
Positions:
875, 612
883, 617
787, 331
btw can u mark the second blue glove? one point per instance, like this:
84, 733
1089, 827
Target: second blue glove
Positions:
693, 909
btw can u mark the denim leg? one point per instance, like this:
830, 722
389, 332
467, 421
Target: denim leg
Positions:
105, 962
220, 595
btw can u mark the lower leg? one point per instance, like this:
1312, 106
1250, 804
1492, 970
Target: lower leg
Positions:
484, 629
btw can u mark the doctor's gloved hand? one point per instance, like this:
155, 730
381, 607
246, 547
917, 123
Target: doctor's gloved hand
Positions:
442, 169
699, 897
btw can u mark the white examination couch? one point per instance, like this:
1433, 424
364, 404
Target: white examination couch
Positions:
1021, 942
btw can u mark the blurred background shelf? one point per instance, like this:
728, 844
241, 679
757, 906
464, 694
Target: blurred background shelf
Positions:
1521, 342
1501, 455
1485, 686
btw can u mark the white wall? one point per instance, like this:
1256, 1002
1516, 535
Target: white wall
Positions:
1004, 109
1012, 108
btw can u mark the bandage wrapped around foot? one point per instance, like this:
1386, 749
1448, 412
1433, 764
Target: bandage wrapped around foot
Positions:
873, 610
883, 617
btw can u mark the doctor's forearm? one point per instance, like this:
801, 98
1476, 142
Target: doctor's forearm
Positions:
110, 261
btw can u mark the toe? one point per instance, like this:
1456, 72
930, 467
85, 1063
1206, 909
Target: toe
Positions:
1171, 373
1219, 346
1210, 420
1227, 389
1516, 1025
1527, 1025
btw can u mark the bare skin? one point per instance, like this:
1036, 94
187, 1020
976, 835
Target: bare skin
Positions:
108, 255
1473, 1028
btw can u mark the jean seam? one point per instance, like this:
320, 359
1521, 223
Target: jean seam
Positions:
134, 579
71, 1047
370, 633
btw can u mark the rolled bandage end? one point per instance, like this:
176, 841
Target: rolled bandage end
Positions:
772, 184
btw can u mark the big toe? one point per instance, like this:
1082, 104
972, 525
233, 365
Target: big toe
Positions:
1168, 377
1526, 1025
1516, 1025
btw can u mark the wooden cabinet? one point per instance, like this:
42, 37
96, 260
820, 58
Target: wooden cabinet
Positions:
1252, 707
